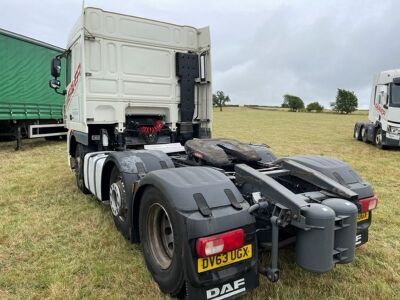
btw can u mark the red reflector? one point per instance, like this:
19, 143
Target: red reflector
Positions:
220, 243
368, 204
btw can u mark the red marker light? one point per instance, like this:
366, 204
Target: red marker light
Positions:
368, 204
220, 243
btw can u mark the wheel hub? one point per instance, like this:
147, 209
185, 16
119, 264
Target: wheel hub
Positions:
116, 201
161, 235
378, 138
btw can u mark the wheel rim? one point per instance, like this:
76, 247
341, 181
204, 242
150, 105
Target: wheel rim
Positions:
78, 170
363, 132
161, 235
378, 138
115, 199
356, 134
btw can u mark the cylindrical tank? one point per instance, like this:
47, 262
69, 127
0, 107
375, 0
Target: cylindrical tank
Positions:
314, 247
346, 228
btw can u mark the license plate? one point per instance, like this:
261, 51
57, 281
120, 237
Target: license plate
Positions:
224, 259
363, 216
392, 136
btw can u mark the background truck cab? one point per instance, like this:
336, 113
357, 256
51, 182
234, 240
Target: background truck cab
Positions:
383, 127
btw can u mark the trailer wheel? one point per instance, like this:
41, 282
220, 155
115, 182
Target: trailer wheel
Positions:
378, 139
161, 242
364, 136
119, 202
80, 153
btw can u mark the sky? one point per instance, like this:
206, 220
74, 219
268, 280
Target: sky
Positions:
261, 49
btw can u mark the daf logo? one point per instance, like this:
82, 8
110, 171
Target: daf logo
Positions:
227, 290
358, 239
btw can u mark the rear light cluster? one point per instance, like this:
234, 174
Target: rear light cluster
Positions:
220, 243
368, 204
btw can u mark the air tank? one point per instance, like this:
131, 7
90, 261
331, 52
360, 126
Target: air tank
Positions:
314, 246
345, 228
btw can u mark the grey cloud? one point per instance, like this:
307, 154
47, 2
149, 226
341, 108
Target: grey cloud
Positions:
312, 48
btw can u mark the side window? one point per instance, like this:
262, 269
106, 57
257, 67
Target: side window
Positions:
381, 92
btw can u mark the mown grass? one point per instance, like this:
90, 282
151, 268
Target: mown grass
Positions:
58, 243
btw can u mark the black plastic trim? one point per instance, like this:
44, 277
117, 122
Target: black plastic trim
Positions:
202, 204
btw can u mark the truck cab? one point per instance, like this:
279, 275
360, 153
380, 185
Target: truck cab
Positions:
133, 81
383, 127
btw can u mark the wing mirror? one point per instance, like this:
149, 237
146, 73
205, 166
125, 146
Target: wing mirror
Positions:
55, 84
385, 100
56, 67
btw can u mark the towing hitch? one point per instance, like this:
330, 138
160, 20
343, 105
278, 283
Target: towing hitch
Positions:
280, 220
272, 272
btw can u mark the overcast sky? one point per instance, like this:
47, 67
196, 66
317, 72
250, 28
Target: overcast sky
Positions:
261, 50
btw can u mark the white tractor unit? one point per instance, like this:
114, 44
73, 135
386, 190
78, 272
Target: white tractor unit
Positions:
383, 125
138, 108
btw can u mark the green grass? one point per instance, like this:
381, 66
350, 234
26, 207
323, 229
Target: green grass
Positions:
58, 243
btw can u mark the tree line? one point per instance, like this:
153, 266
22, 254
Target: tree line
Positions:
346, 102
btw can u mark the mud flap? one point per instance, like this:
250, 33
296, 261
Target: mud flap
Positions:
235, 287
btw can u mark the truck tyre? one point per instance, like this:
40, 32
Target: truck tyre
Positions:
378, 139
162, 242
80, 153
356, 133
119, 202
364, 135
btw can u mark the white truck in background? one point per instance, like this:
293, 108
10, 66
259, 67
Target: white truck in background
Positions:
383, 126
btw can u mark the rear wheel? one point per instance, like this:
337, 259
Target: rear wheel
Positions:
356, 133
119, 202
161, 242
364, 136
80, 153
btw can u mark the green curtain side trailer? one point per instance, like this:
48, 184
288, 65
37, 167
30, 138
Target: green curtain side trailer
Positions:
28, 108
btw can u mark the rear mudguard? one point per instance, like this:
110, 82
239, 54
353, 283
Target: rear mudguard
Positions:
338, 171
206, 203
132, 165
345, 175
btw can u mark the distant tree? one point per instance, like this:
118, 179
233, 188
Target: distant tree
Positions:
346, 102
314, 106
285, 103
293, 102
219, 99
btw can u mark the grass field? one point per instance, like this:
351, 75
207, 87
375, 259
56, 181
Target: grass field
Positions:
58, 243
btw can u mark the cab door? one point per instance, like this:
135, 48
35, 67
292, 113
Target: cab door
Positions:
380, 102
74, 100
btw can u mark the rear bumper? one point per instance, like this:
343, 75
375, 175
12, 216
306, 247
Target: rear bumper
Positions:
390, 140
362, 231
361, 236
